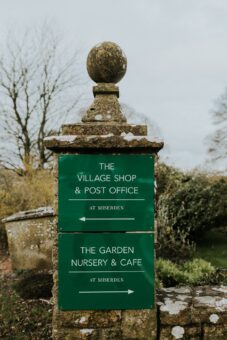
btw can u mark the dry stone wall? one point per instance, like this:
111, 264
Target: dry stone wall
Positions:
182, 313
192, 313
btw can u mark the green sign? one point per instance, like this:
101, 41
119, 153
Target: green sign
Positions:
106, 192
106, 271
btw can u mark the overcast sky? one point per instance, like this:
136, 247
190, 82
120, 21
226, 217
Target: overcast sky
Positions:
176, 50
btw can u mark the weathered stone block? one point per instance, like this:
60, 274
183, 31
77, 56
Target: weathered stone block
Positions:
129, 141
30, 238
76, 334
180, 332
110, 334
210, 305
208, 315
175, 306
139, 324
88, 319
104, 129
215, 332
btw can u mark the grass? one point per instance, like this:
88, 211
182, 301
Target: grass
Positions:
213, 248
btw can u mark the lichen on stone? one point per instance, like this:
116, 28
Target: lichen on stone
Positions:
222, 289
173, 307
86, 331
180, 290
214, 318
183, 297
177, 332
218, 303
98, 117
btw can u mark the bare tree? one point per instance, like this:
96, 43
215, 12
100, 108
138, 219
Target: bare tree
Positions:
218, 140
39, 87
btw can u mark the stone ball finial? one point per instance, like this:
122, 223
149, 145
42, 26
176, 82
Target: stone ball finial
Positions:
106, 63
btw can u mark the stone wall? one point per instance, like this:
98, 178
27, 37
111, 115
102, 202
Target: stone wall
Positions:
30, 238
192, 313
182, 313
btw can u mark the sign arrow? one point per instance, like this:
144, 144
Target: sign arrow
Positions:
129, 291
84, 219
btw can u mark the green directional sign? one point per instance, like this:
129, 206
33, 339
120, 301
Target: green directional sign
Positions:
106, 271
106, 192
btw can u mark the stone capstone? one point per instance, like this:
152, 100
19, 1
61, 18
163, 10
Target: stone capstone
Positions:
33, 213
103, 129
127, 141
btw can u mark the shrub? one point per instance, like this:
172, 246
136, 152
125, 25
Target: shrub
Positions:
167, 273
187, 206
33, 190
173, 242
194, 273
197, 272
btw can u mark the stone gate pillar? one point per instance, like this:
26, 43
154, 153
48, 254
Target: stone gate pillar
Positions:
103, 258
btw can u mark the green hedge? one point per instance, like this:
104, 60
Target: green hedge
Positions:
187, 206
